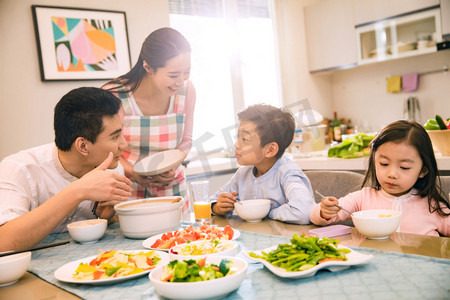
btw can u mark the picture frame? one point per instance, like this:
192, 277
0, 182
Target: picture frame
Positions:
80, 43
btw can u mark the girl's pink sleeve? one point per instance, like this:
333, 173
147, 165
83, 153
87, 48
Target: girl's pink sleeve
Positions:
351, 202
186, 141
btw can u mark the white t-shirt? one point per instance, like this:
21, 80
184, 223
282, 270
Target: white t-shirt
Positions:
30, 177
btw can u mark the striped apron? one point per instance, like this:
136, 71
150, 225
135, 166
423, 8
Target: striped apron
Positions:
146, 135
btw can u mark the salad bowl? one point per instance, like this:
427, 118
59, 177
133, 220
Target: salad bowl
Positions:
214, 288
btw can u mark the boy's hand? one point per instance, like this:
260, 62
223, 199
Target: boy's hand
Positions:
225, 203
328, 208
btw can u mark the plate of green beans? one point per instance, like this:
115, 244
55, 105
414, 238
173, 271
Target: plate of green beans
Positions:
305, 255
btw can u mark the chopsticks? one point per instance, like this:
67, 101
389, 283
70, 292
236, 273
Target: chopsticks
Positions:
318, 193
35, 248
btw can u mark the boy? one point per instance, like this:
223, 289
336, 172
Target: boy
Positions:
42, 189
264, 134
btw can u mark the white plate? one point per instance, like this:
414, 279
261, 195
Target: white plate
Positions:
65, 272
151, 240
159, 162
353, 259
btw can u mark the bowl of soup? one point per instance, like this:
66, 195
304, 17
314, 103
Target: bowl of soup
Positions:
143, 218
87, 231
376, 223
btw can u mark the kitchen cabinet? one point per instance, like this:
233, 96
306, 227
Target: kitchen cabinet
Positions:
330, 38
445, 18
406, 35
366, 11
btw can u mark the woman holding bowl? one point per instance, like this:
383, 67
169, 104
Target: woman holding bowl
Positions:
158, 105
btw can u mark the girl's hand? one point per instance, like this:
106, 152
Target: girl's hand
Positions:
225, 203
328, 208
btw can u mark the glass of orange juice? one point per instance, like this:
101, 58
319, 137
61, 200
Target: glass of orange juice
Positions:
202, 206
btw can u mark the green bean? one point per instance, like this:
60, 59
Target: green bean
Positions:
303, 253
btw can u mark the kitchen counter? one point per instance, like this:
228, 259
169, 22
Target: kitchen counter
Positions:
223, 165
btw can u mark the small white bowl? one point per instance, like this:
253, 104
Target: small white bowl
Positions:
376, 223
231, 248
87, 231
253, 210
215, 288
12, 267
140, 219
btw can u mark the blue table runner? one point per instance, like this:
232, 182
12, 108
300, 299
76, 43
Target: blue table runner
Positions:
389, 275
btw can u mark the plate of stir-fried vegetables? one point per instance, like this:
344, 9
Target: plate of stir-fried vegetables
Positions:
306, 255
111, 266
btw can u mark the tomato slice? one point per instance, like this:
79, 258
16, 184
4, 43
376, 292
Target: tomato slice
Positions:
229, 231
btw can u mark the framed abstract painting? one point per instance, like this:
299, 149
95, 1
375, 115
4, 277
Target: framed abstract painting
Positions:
81, 44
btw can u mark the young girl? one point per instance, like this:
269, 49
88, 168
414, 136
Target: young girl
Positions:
402, 175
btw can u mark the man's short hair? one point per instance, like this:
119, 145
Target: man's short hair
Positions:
272, 125
80, 113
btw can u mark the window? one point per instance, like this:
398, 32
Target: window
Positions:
233, 63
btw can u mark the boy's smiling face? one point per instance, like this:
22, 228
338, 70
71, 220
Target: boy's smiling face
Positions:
248, 145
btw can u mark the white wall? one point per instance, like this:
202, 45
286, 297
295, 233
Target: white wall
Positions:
26, 103
297, 83
360, 93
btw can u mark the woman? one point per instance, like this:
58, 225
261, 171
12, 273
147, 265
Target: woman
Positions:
158, 103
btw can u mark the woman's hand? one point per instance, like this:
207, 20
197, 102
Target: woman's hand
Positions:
225, 203
163, 179
328, 208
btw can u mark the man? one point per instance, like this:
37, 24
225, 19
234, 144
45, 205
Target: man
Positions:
42, 189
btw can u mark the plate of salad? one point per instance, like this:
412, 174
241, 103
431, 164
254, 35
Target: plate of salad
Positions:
165, 241
210, 277
111, 266
306, 255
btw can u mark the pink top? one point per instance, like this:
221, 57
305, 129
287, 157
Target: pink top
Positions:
416, 217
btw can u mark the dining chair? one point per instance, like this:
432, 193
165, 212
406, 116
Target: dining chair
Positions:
445, 184
334, 183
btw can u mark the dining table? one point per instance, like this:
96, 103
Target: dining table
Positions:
404, 266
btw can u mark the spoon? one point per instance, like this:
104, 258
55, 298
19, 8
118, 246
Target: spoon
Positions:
318, 193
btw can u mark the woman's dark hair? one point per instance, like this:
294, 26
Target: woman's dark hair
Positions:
272, 125
80, 113
414, 134
160, 46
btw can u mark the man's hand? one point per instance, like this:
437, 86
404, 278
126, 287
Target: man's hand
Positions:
107, 187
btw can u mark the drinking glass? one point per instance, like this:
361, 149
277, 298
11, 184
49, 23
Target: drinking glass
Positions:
202, 206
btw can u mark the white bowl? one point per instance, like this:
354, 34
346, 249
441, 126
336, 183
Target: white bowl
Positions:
216, 288
252, 210
146, 217
231, 248
12, 267
87, 231
376, 223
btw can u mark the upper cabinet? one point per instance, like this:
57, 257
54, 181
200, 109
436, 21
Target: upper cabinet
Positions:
366, 11
347, 33
401, 36
445, 18
330, 35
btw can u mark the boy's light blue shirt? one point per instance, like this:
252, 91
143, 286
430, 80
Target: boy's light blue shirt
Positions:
284, 184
